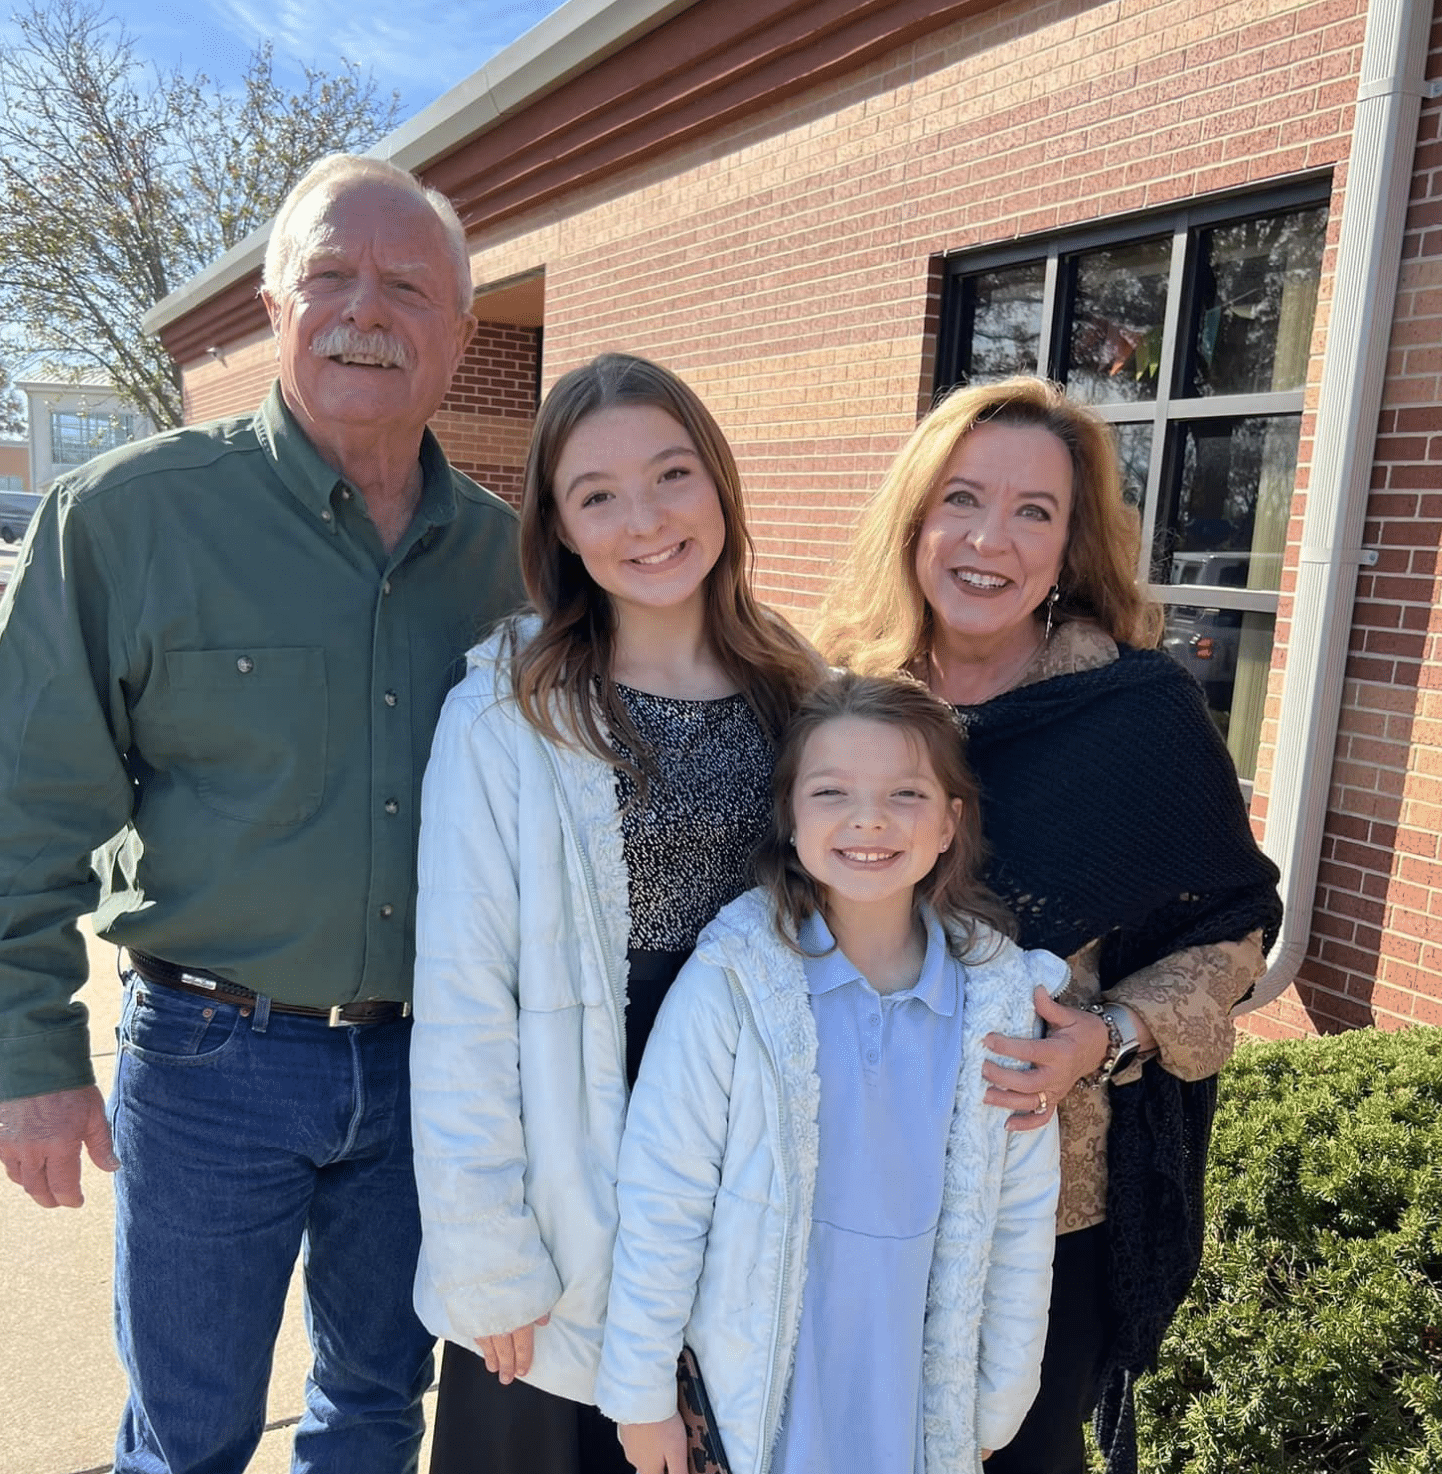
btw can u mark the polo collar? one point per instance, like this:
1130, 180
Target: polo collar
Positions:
828, 967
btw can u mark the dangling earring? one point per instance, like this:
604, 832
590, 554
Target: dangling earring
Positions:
792, 841
1051, 599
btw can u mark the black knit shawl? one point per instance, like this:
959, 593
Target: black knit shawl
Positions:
1111, 808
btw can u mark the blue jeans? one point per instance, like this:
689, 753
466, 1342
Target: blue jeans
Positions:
244, 1135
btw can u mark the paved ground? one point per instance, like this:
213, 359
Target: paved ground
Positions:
63, 1388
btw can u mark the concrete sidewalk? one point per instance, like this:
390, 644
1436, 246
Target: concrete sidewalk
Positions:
63, 1386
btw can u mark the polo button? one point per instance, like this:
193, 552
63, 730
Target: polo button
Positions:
386, 912
873, 1019
245, 665
345, 492
392, 807
386, 587
871, 1056
391, 698
325, 515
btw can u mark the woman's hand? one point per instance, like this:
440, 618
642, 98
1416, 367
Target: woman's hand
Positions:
509, 1354
656, 1448
1075, 1044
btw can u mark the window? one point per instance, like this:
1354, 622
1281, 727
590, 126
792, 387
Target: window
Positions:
75, 437
1190, 333
12, 483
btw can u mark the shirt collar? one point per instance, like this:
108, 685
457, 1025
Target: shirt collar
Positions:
827, 967
313, 482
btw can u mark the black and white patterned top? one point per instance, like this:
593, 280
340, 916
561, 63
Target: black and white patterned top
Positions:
688, 845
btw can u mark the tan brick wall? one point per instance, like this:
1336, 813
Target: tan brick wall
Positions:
1376, 954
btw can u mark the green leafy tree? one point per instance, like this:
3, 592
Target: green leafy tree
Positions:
119, 181
12, 412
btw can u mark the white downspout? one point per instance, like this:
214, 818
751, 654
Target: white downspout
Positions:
1379, 177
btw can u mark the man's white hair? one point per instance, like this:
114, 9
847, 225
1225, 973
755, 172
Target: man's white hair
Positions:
331, 174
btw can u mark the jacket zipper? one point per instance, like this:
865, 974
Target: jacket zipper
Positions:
770, 1405
618, 997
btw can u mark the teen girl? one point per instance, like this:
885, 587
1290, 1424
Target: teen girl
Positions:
597, 784
814, 1196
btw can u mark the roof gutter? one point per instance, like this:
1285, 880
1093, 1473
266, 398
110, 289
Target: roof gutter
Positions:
1379, 176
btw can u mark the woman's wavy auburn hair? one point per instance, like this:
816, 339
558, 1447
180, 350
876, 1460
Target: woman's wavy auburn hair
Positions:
875, 617
562, 677
953, 887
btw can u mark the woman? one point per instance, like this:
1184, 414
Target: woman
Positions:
997, 563
597, 783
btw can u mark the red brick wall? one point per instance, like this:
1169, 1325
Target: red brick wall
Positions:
785, 265
1376, 954
485, 421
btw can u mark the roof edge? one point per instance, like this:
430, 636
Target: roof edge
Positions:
571, 40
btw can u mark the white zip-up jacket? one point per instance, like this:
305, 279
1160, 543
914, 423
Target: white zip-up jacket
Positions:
717, 1178
518, 1074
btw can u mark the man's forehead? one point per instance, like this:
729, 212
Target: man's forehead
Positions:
369, 213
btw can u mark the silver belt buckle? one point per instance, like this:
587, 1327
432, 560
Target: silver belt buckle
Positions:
336, 1021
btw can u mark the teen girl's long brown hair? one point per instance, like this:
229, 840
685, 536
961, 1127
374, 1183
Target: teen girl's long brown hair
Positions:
562, 677
953, 887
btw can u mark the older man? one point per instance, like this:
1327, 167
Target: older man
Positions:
220, 668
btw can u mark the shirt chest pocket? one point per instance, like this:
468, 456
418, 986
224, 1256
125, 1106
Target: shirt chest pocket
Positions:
251, 730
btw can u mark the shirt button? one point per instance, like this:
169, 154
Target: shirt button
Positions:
871, 1056
392, 807
325, 515
391, 698
386, 911
873, 1019
386, 587
245, 665
345, 492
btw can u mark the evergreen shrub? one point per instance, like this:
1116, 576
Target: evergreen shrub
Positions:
1312, 1341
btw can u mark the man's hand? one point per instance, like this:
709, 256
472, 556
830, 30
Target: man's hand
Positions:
40, 1140
509, 1354
656, 1448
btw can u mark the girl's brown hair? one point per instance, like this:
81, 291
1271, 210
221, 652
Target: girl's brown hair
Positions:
953, 888
875, 618
562, 677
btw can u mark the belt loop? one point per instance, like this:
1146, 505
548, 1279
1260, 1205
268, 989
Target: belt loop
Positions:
260, 1019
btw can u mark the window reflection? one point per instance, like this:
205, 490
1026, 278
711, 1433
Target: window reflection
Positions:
1003, 322
1226, 522
1256, 298
1229, 652
1115, 341
1134, 451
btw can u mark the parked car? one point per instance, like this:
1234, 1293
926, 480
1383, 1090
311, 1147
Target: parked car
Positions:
1202, 638
16, 510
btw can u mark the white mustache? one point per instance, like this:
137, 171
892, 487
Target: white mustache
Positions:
376, 347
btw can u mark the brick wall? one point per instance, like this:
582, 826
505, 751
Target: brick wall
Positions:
785, 264
485, 421
1376, 953
233, 384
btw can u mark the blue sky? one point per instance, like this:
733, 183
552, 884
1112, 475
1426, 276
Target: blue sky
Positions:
419, 50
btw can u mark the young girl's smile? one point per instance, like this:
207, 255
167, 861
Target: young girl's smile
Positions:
871, 816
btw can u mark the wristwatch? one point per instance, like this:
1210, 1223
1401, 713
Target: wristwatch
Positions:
1123, 1045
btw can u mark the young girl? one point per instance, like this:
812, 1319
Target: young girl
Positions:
814, 1197
597, 784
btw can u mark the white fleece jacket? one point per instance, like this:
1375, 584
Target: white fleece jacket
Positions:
717, 1177
518, 1073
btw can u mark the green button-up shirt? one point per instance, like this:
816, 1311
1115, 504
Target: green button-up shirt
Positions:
214, 676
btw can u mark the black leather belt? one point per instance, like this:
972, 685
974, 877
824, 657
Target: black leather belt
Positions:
162, 974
